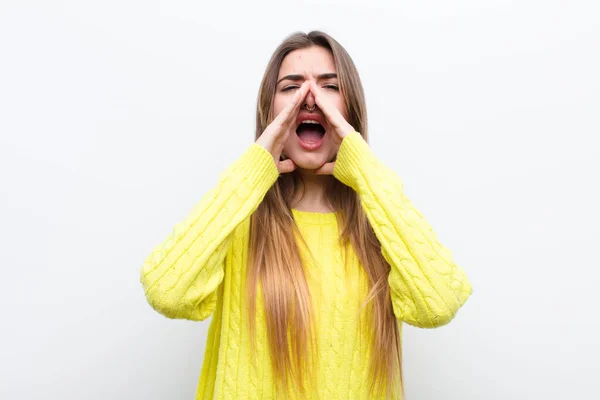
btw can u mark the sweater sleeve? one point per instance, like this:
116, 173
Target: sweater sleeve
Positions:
181, 275
427, 288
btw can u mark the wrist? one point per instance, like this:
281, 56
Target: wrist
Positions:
345, 131
265, 144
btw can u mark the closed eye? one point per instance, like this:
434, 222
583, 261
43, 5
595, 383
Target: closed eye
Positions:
329, 86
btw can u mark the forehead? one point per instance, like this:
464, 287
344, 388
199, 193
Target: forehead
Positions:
313, 60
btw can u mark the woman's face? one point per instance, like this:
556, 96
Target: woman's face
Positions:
309, 145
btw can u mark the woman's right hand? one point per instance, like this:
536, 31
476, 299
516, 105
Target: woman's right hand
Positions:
275, 135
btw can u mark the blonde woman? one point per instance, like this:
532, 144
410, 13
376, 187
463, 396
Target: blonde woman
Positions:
307, 254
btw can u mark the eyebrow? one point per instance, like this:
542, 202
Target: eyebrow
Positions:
298, 77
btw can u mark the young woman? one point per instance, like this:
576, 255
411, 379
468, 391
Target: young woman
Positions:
307, 253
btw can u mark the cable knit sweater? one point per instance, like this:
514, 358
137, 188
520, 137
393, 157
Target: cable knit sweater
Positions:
199, 271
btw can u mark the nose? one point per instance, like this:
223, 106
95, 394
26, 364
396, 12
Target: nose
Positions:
309, 101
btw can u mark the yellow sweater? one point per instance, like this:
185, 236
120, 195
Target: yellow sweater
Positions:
199, 270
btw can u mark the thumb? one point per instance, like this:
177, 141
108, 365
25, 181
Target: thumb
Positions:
286, 166
325, 169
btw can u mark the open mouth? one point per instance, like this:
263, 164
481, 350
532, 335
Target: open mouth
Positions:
310, 131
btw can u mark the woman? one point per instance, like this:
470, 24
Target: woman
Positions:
307, 253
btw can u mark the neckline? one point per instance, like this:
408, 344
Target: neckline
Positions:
313, 217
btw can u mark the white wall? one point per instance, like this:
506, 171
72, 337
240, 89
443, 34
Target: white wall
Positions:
116, 117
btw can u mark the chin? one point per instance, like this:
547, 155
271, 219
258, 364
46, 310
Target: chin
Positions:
309, 160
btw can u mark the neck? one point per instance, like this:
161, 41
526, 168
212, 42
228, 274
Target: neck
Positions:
312, 191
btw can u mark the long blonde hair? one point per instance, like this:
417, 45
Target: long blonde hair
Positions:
275, 260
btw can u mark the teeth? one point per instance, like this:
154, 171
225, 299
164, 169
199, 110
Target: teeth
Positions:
309, 121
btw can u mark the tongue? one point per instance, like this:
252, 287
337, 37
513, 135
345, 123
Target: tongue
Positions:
310, 135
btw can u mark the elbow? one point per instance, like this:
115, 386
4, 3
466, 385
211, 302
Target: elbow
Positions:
430, 320
162, 304
435, 316
443, 318
178, 308
439, 319
162, 301
177, 298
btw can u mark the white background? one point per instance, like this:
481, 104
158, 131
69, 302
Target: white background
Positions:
117, 116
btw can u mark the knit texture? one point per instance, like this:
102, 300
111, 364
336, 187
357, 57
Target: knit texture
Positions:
199, 270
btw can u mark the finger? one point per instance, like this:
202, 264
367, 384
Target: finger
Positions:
296, 99
290, 121
286, 166
301, 93
331, 113
325, 169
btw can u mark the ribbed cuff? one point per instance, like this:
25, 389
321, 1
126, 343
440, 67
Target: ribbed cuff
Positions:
259, 168
354, 154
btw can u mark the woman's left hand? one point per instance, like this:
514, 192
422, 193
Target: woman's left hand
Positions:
338, 127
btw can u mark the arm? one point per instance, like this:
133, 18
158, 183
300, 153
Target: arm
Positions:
427, 288
181, 276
